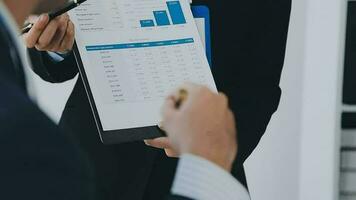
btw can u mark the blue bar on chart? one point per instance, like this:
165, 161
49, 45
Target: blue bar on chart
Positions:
161, 18
176, 12
147, 23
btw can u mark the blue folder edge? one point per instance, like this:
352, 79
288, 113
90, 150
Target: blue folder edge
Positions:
203, 12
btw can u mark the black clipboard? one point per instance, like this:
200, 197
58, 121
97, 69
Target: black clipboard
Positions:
142, 133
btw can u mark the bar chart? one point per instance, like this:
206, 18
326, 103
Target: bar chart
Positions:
134, 14
172, 16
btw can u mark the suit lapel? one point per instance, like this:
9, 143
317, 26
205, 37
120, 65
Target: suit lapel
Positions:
13, 53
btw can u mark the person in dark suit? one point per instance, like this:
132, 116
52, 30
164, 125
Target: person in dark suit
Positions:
249, 39
248, 49
38, 161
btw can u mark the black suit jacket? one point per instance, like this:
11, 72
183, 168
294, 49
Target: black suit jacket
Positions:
248, 39
37, 160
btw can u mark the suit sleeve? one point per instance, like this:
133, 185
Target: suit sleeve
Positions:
37, 160
249, 42
53, 71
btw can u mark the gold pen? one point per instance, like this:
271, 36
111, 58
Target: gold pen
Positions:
182, 96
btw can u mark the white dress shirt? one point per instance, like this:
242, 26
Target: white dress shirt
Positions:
200, 179
55, 56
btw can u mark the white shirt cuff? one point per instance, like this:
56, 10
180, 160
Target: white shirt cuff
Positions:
55, 56
200, 179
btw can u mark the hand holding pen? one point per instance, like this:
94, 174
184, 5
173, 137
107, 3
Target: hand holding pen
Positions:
56, 35
67, 7
51, 32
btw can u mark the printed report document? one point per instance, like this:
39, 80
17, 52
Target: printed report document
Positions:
135, 53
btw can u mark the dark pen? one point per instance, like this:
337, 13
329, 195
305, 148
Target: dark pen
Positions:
69, 6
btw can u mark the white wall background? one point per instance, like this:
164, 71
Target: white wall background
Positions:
298, 157
273, 169
277, 167
51, 97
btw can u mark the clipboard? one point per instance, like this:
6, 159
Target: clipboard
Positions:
203, 12
109, 137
